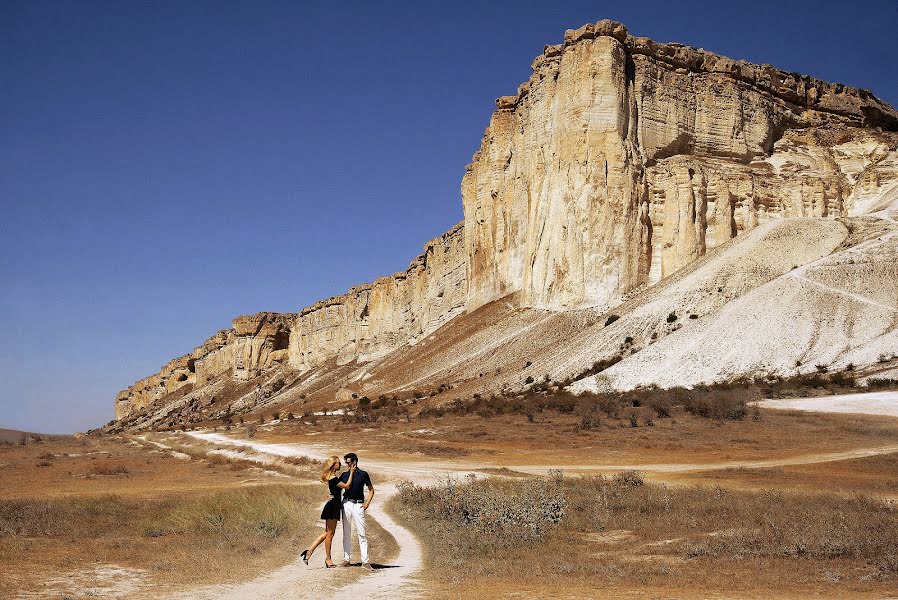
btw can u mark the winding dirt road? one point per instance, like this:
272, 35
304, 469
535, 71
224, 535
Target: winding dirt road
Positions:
399, 580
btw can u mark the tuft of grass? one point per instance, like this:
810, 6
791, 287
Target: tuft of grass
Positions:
109, 469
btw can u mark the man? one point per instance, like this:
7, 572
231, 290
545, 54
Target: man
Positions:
354, 507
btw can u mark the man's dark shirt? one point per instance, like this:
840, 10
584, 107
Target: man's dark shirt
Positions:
357, 490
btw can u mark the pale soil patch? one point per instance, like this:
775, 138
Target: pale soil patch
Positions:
873, 403
104, 581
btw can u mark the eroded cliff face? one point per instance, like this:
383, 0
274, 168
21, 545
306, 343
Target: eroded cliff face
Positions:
618, 163
622, 160
373, 319
367, 322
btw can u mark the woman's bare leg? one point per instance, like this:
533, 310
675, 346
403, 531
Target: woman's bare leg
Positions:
317, 542
330, 528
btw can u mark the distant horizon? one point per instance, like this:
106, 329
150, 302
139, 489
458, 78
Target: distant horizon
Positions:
165, 168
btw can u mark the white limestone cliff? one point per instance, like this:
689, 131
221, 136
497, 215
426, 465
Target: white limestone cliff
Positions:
620, 162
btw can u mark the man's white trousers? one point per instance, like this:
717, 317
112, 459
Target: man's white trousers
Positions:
354, 516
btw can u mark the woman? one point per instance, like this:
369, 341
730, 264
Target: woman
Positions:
331, 511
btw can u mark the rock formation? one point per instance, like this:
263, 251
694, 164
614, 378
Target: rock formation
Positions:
620, 162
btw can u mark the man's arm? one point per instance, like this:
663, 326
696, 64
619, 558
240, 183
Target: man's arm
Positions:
370, 493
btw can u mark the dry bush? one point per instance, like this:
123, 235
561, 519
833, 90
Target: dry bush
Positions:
108, 469
487, 515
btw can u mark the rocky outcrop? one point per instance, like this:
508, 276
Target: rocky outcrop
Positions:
373, 319
620, 162
615, 136
368, 321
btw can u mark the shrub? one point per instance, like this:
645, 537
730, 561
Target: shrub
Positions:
661, 407
251, 430
364, 401
671, 317
629, 479
590, 419
610, 406
105, 469
722, 405
488, 515
611, 319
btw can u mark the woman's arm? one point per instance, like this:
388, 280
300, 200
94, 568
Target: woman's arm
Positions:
345, 486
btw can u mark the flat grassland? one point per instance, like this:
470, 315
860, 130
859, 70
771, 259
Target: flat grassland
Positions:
574, 499
118, 517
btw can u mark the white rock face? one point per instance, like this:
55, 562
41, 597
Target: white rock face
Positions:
621, 161
373, 319
619, 164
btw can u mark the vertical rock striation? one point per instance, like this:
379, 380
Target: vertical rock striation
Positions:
622, 160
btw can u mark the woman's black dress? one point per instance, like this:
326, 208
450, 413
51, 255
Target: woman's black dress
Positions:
332, 508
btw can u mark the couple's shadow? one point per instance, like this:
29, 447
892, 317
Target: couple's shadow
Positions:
375, 566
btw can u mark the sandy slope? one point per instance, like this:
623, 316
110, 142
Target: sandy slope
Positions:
836, 310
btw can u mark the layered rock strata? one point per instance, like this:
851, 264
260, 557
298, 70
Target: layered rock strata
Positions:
618, 163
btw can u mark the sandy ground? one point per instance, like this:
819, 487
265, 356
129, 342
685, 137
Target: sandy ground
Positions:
874, 403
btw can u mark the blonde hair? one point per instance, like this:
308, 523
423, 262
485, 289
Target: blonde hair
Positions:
332, 468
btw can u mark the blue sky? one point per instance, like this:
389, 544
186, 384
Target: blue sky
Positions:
166, 166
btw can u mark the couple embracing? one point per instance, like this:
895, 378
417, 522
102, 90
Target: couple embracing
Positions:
351, 509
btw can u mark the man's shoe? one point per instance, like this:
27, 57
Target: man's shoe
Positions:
346, 563
367, 566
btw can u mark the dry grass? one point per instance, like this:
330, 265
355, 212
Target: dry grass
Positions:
181, 522
625, 533
555, 437
181, 539
873, 475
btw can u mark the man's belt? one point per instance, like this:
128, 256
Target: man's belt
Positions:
354, 501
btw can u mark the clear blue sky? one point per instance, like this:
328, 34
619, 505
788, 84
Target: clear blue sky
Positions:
165, 166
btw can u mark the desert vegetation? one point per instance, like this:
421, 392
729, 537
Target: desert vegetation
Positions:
609, 532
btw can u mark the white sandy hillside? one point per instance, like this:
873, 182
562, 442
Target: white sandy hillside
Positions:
839, 309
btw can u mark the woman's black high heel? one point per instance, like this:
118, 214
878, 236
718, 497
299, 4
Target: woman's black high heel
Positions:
329, 566
305, 556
